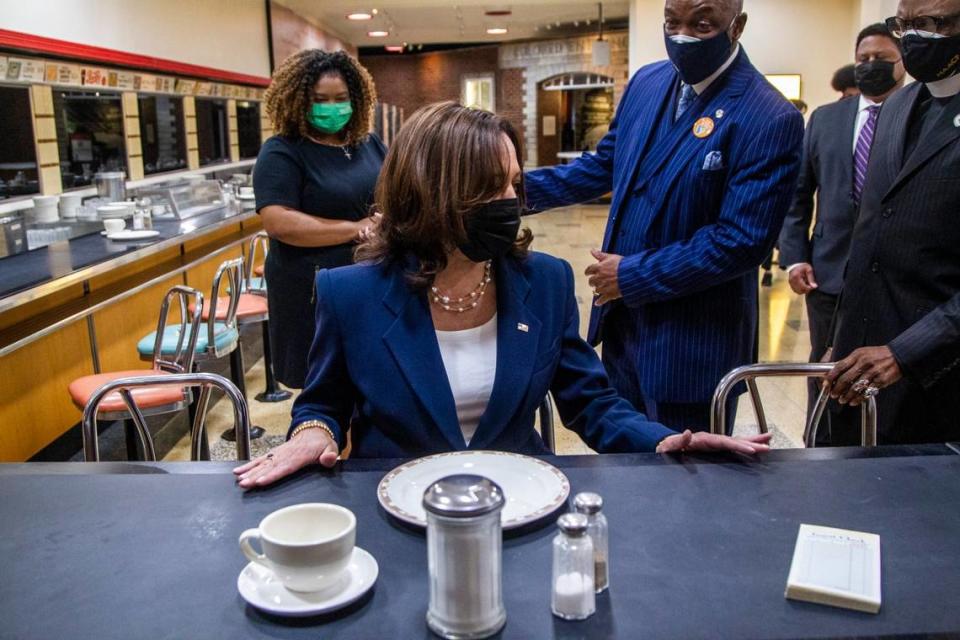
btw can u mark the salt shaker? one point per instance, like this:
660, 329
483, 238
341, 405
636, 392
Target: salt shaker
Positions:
574, 597
464, 547
590, 504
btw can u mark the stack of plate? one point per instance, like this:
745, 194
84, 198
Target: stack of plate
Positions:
116, 210
44, 209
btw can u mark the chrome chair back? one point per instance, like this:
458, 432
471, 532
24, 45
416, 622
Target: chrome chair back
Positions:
206, 381
749, 375
181, 359
232, 270
258, 243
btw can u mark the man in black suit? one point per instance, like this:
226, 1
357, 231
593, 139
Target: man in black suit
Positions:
898, 321
836, 145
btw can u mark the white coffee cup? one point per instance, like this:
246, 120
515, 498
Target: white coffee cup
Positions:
114, 225
246, 192
306, 546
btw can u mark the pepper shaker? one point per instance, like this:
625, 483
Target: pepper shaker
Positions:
590, 505
464, 556
574, 597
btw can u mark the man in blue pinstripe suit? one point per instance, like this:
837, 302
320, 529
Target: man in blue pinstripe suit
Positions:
702, 158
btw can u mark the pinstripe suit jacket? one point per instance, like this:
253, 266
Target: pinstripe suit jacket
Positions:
692, 216
902, 286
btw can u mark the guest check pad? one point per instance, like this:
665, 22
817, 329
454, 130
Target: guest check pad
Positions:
836, 567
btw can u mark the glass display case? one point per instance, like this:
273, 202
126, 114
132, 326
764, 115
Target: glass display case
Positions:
18, 155
162, 134
89, 134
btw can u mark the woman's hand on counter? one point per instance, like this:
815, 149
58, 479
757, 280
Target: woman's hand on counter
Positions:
310, 446
701, 441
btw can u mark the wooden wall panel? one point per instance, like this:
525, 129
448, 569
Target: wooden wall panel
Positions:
120, 326
168, 259
35, 407
23, 312
48, 155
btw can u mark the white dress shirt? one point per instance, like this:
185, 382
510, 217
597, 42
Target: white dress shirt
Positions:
470, 359
946, 88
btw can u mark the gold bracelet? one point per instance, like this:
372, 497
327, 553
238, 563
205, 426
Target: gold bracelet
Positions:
313, 424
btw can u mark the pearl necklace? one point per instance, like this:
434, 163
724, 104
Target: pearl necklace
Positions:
464, 303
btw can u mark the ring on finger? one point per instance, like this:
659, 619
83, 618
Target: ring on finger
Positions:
870, 391
860, 385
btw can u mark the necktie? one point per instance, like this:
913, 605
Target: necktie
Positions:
687, 96
862, 154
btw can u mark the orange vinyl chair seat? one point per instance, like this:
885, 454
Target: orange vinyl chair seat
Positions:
258, 270
250, 305
82, 389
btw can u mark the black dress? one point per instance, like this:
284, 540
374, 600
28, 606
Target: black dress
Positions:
318, 180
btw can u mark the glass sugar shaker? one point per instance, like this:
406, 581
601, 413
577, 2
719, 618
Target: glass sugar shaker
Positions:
574, 596
464, 556
590, 505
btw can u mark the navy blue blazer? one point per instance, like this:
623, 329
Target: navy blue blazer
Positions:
375, 367
693, 217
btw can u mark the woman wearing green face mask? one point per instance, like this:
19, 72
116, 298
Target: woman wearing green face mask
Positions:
314, 183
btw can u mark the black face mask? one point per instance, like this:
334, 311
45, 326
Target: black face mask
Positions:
491, 229
695, 59
875, 78
931, 59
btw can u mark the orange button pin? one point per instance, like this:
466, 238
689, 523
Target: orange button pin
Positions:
703, 127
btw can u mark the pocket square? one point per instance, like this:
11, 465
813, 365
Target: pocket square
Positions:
713, 161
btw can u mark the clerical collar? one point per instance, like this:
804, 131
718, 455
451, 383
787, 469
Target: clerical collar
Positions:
946, 88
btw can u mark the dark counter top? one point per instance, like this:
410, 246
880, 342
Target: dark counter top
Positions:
700, 548
23, 277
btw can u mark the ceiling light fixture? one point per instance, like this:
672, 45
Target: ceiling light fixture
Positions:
497, 31
498, 13
359, 15
378, 34
394, 48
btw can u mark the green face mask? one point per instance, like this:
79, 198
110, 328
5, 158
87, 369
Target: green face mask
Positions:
330, 118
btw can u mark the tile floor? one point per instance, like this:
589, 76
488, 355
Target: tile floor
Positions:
570, 233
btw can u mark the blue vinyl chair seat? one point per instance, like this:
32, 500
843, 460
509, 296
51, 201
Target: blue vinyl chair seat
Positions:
223, 337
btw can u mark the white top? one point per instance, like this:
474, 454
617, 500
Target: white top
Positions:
470, 359
863, 114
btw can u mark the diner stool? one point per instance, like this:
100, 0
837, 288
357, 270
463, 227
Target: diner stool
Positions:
129, 390
154, 397
258, 286
222, 335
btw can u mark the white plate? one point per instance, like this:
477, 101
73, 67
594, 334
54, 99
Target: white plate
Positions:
259, 587
531, 487
133, 234
249, 197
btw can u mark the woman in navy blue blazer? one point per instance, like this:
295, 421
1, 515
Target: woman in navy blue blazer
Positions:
450, 332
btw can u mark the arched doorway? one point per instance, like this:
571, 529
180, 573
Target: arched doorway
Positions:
574, 111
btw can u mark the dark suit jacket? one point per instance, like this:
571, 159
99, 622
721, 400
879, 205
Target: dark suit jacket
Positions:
827, 172
693, 217
376, 353
902, 287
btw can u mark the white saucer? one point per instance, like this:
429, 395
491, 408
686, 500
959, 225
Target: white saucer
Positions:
259, 587
133, 234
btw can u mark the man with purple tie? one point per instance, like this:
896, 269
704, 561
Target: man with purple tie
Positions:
702, 159
898, 320
836, 150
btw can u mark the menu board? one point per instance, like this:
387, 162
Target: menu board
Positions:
185, 86
143, 82
166, 84
24, 70
124, 81
203, 89
60, 73
92, 76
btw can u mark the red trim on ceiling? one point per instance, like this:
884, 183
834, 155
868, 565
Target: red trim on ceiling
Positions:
64, 49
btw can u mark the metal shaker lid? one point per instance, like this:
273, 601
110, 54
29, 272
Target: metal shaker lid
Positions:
109, 175
588, 503
573, 524
463, 496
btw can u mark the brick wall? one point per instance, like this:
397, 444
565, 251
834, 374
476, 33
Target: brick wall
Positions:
293, 33
411, 81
